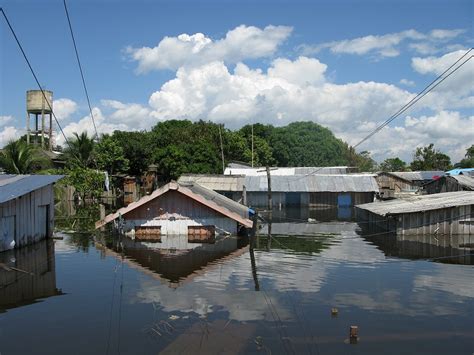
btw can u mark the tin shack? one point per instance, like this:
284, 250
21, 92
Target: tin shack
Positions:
448, 213
449, 183
393, 184
334, 190
181, 209
26, 209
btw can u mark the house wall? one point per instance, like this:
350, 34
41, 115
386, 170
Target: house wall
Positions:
342, 199
27, 219
174, 212
446, 221
444, 184
311, 199
393, 183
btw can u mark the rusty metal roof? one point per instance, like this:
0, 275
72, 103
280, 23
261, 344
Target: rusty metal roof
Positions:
14, 186
207, 197
420, 203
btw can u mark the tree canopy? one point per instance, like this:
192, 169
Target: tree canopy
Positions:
429, 158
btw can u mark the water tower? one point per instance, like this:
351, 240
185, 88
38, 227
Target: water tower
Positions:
39, 106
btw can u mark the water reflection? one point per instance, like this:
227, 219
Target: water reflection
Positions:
27, 275
174, 260
137, 297
455, 249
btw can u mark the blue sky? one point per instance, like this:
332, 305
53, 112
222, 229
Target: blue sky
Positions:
347, 65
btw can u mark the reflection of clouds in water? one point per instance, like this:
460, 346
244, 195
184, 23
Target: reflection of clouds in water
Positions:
393, 301
64, 246
455, 279
242, 305
356, 251
229, 284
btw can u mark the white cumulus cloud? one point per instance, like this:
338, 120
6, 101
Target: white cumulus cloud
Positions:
243, 42
9, 133
64, 108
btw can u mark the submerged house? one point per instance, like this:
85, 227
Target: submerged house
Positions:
446, 213
449, 183
181, 209
334, 190
26, 209
398, 182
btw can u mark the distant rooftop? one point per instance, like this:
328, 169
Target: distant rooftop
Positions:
464, 171
290, 183
416, 175
239, 169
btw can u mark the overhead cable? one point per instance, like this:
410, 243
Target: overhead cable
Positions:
80, 68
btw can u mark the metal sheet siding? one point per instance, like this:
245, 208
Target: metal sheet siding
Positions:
33, 214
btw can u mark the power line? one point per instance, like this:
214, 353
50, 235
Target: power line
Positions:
421, 94
34, 75
80, 68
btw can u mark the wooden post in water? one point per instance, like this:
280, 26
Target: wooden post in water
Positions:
269, 182
102, 214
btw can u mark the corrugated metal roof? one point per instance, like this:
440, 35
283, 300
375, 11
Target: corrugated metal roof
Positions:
215, 182
466, 181
416, 175
14, 186
211, 199
420, 203
219, 199
296, 183
314, 183
286, 171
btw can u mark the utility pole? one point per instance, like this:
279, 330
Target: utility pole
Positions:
252, 145
269, 183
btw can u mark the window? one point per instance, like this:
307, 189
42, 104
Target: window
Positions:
201, 234
152, 233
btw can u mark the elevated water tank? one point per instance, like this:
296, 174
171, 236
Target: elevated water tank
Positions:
36, 103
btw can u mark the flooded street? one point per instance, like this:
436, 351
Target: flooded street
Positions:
96, 295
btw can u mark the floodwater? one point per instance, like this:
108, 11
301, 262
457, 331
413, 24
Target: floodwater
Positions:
99, 295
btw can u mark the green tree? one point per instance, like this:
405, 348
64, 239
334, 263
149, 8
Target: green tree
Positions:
89, 183
109, 156
137, 148
17, 157
79, 150
393, 164
468, 161
429, 158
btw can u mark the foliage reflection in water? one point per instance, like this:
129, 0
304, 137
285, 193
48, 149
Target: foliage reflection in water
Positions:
140, 297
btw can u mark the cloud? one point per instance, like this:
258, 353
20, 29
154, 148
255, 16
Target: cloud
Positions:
281, 95
64, 108
243, 42
437, 65
5, 119
450, 131
9, 133
407, 82
387, 45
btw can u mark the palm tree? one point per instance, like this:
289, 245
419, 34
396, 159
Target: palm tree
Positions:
18, 157
80, 149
